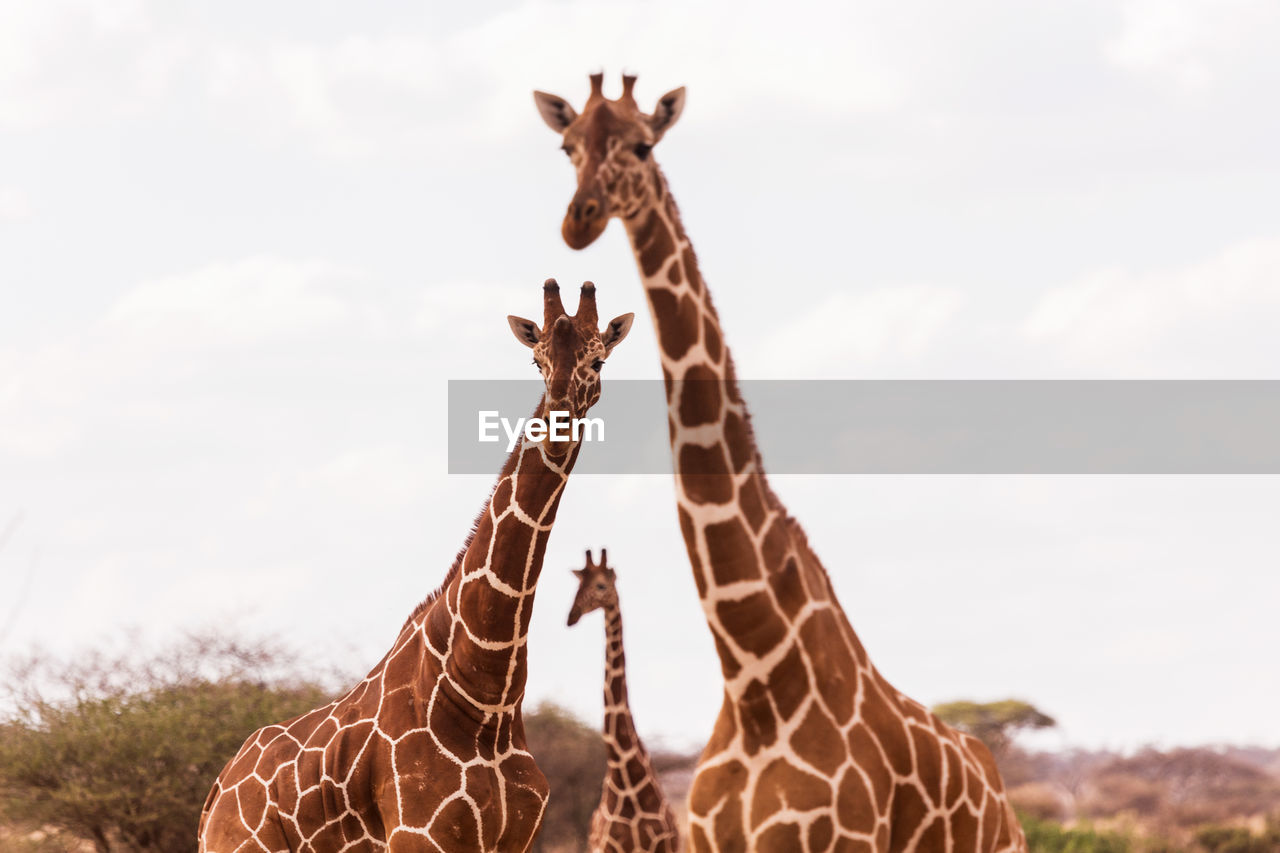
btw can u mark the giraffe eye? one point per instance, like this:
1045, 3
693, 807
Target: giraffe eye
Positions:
641, 150
597, 364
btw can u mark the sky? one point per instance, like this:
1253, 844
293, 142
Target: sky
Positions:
243, 247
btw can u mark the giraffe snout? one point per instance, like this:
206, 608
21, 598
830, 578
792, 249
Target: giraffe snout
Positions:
585, 220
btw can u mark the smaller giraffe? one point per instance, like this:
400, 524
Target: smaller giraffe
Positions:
633, 814
427, 754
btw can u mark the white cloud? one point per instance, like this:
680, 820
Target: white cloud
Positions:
853, 331
67, 59
15, 206
1192, 43
1210, 319
234, 304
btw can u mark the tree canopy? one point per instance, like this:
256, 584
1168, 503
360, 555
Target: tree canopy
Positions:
994, 723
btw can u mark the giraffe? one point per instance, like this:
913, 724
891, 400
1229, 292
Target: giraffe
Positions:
812, 749
428, 752
633, 814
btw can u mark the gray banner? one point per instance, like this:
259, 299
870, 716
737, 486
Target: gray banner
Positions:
914, 427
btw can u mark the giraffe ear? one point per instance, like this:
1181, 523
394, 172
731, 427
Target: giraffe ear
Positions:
578, 573
616, 331
667, 112
555, 111
526, 331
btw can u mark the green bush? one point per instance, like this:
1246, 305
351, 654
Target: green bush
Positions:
121, 750
1045, 836
1237, 839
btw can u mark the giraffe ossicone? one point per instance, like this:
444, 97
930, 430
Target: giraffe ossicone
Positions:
427, 752
633, 814
813, 749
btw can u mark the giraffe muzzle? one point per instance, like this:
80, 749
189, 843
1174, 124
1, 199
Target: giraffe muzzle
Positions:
585, 220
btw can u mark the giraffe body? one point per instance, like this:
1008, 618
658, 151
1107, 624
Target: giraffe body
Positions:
428, 752
634, 815
812, 749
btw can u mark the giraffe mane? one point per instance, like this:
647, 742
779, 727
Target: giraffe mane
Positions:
431, 599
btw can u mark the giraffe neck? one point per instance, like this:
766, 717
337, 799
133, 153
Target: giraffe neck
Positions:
751, 562
478, 624
620, 737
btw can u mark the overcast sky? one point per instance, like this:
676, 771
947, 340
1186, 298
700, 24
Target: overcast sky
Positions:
243, 246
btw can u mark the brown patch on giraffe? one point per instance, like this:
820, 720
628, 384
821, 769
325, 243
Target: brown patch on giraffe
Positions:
342, 752
455, 826
690, 263
928, 763
689, 535
854, 845
501, 497
782, 785
738, 439
820, 833
990, 821
712, 786
328, 838
635, 771
855, 803
964, 830
915, 711
711, 340
699, 838
834, 668
776, 543
909, 809
789, 683
701, 400
888, 728
934, 837
819, 743
673, 273
753, 621
729, 665
759, 726
781, 837
752, 504
788, 589
252, 797
286, 788
352, 828
955, 776
864, 745
679, 329
704, 476
654, 244
730, 552
624, 738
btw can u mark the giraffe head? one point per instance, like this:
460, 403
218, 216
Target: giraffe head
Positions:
595, 587
570, 350
609, 144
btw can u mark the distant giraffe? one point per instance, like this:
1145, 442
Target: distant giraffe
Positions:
428, 752
633, 814
813, 749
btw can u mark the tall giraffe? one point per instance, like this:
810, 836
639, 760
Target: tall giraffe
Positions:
633, 814
812, 749
428, 752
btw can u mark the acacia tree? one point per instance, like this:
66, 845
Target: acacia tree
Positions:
993, 723
121, 749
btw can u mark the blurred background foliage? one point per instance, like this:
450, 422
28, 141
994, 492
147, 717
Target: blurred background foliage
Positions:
115, 749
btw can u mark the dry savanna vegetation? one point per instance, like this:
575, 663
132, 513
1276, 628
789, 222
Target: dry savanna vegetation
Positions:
115, 751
